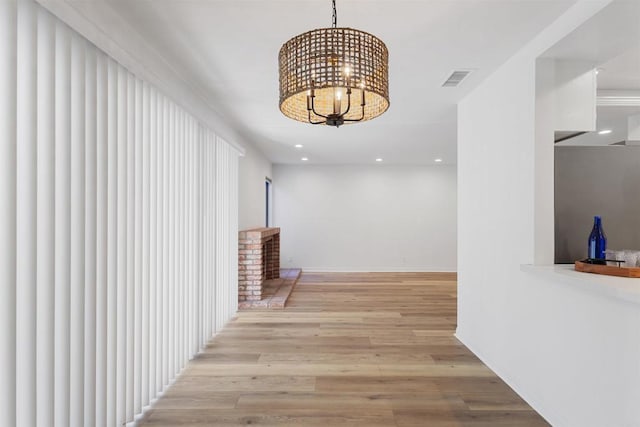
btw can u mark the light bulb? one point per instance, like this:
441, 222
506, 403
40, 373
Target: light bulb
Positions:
347, 71
338, 95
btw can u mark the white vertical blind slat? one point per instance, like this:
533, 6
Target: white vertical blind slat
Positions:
154, 218
193, 312
136, 368
233, 230
172, 244
113, 211
226, 228
146, 221
163, 265
45, 218
195, 260
217, 237
220, 268
160, 282
131, 240
213, 260
197, 341
168, 256
26, 216
195, 189
62, 225
206, 238
102, 206
7, 212
189, 241
179, 223
179, 243
197, 344
121, 303
76, 359
90, 221
200, 241
147, 253
205, 241
218, 240
181, 220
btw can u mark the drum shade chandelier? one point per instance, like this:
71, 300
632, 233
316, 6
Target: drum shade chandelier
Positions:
334, 76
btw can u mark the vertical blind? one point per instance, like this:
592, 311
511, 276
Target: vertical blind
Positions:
118, 230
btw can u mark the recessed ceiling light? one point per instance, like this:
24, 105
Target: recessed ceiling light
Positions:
298, 145
304, 159
437, 160
604, 132
378, 159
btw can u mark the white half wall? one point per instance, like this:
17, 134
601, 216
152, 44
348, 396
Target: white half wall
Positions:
254, 168
366, 218
573, 355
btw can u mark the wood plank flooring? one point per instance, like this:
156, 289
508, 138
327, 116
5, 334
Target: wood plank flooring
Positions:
348, 350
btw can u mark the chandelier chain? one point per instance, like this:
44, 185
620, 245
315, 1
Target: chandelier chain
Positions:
334, 17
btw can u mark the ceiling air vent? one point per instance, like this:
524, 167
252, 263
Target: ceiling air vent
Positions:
456, 78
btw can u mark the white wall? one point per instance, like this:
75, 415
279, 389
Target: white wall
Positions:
570, 354
254, 168
616, 180
366, 218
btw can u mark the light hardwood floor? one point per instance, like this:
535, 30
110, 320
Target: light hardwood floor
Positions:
349, 349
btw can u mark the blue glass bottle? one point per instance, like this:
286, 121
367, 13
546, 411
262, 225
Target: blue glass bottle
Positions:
597, 240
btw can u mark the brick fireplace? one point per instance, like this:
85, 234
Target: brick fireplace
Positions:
258, 260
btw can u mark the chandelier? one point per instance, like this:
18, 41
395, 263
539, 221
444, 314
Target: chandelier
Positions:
334, 76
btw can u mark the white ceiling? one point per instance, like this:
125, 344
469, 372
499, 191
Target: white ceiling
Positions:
611, 41
227, 50
621, 72
608, 118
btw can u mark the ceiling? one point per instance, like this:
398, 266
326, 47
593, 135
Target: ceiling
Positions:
227, 50
610, 40
621, 72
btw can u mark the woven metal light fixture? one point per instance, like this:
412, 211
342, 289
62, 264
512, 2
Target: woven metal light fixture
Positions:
334, 76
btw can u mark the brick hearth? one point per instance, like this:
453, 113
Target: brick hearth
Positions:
258, 261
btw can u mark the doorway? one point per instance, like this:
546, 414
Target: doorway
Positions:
268, 194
